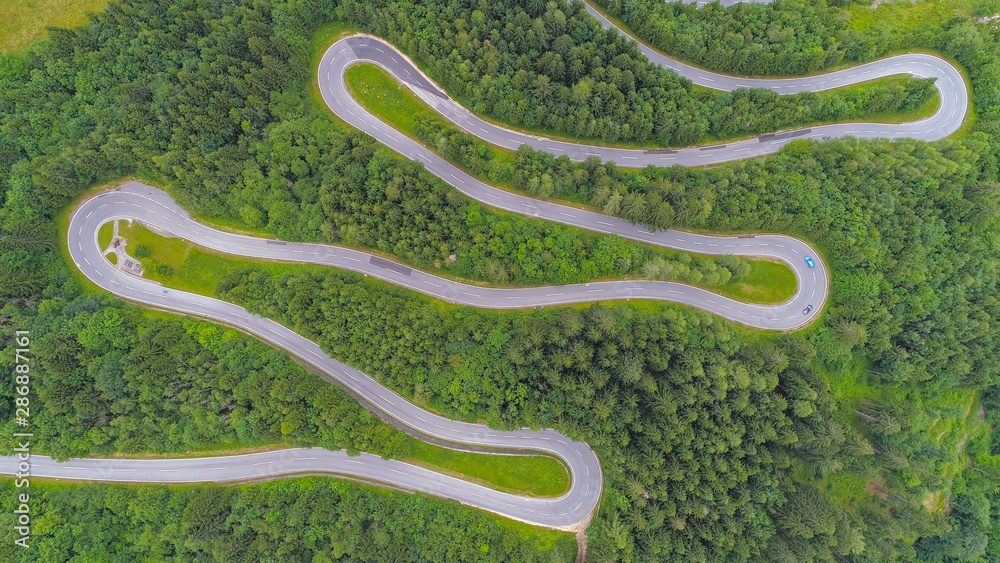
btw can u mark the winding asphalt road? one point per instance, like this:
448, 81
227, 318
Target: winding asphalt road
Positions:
563, 512
155, 208
949, 117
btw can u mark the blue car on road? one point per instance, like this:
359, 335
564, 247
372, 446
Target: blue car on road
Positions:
809, 262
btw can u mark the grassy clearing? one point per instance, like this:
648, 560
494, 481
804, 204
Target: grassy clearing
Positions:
389, 100
768, 282
179, 263
188, 266
907, 17
24, 21
536, 475
168, 250
950, 419
160, 255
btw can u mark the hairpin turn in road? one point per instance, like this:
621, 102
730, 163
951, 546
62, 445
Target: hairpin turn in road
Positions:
154, 207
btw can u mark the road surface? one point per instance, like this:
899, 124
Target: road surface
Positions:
562, 512
949, 117
154, 207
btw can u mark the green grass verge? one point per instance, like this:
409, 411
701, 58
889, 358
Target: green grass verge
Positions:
105, 235
200, 271
387, 99
536, 475
191, 268
321, 40
539, 539
767, 282
24, 21
160, 256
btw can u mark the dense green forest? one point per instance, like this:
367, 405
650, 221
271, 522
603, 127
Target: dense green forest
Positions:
113, 379
310, 519
552, 66
786, 37
859, 438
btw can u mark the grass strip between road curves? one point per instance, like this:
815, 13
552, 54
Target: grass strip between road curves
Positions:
356, 81
180, 264
767, 282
